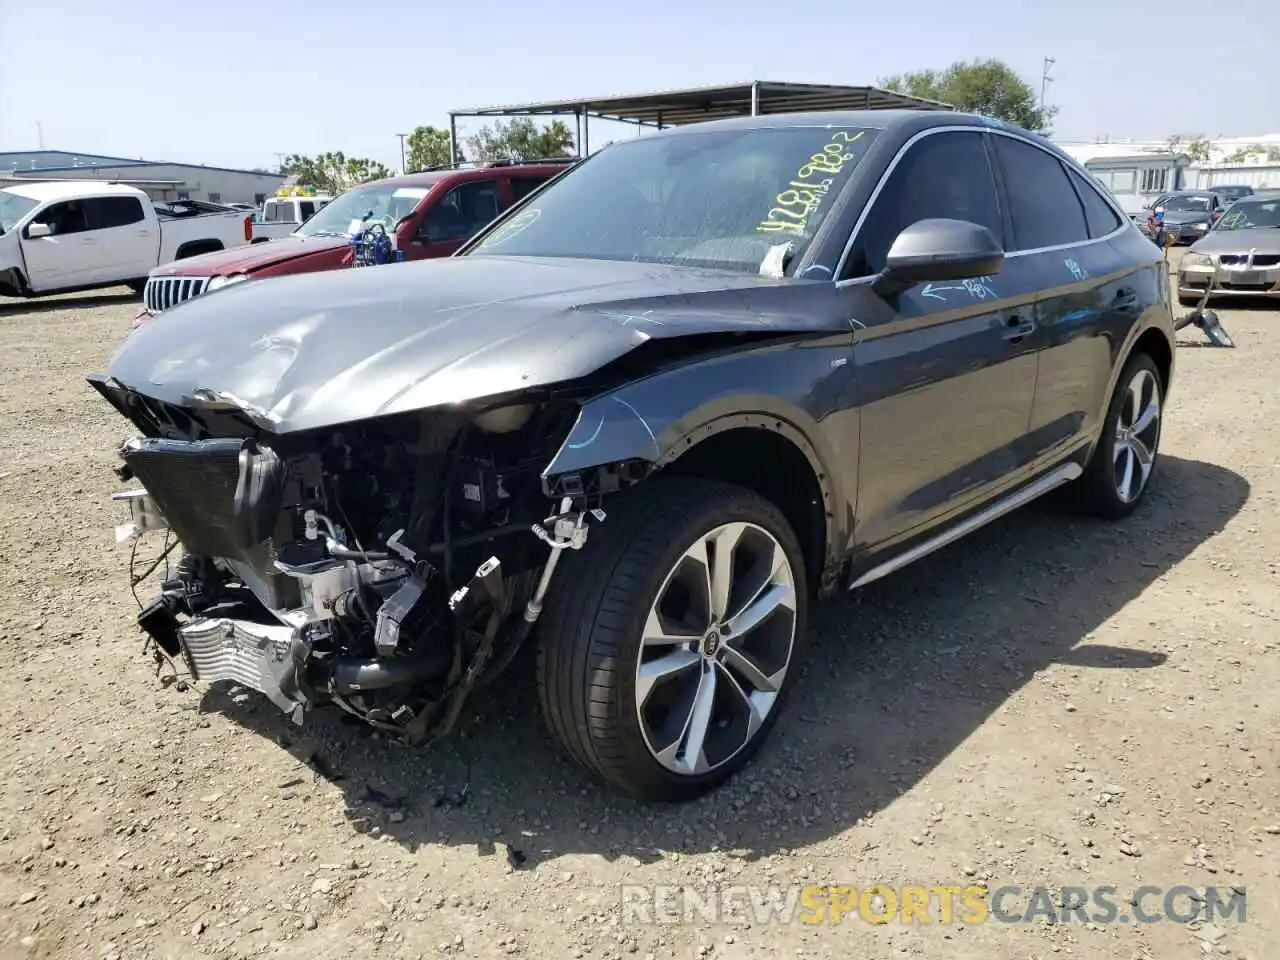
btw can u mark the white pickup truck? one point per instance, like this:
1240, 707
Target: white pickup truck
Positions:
281, 216
58, 237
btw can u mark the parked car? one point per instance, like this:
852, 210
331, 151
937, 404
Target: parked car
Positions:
1186, 215
63, 236
701, 379
430, 214
1240, 255
282, 215
1229, 193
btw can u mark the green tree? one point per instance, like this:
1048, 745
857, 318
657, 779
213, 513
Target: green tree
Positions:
429, 147
333, 171
521, 139
987, 87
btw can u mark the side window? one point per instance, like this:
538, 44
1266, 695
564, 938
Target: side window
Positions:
1098, 214
103, 213
307, 209
521, 187
461, 212
943, 175
66, 217
215, 197
1042, 203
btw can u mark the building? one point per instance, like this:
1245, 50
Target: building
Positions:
161, 181
1134, 174
1137, 171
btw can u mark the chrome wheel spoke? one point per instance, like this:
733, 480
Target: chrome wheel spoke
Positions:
686, 752
770, 598
723, 543
1144, 458
1125, 484
756, 704
745, 667
653, 672
1147, 417
658, 634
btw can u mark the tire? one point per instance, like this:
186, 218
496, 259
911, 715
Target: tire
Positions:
137, 286
1100, 489
590, 647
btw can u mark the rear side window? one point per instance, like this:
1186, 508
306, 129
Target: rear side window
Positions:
107, 212
1098, 214
307, 210
521, 187
1042, 202
943, 175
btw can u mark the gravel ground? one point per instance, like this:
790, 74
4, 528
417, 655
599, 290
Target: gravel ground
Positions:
1049, 703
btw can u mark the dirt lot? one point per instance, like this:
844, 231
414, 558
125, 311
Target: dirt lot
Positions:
1050, 703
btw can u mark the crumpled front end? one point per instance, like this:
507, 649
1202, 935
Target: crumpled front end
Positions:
385, 566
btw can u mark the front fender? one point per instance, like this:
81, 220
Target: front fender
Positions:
800, 390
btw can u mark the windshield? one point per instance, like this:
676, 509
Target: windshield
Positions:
1251, 214
382, 203
721, 199
1199, 204
13, 208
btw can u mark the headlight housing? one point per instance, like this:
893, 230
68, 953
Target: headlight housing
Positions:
217, 283
1197, 260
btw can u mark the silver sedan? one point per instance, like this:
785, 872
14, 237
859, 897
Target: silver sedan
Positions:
1240, 255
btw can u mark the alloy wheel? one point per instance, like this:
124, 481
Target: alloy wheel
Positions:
716, 648
1137, 436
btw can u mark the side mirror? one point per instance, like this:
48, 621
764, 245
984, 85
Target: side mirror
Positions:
939, 250
37, 230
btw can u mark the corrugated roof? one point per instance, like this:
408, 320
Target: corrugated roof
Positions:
697, 104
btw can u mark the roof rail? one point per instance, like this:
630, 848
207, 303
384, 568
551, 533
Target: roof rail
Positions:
501, 162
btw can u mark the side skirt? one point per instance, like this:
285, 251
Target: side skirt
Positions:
1064, 473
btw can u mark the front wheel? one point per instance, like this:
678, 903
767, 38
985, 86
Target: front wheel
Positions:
668, 640
1124, 460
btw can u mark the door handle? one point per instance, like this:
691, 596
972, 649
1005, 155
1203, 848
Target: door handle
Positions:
1125, 297
1016, 327
88, 240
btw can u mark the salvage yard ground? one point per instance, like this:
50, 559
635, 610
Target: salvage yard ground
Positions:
1050, 703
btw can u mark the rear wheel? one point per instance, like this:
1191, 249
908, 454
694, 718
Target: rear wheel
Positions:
137, 286
668, 642
1124, 461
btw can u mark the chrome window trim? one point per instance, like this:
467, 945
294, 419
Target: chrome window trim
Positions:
1125, 222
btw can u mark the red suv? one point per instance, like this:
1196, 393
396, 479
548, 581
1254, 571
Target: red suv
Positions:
431, 213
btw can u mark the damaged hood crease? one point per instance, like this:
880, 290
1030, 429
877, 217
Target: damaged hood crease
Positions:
301, 352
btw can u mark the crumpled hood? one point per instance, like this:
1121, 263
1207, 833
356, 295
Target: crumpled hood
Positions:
320, 349
252, 256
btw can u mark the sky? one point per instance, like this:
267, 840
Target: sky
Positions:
237, 82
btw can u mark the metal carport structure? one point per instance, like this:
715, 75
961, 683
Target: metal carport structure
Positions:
695, 104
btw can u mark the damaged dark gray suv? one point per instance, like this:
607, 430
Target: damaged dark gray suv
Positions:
642, 420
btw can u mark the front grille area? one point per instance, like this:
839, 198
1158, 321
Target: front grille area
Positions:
1257, 260
161, 293
194, 484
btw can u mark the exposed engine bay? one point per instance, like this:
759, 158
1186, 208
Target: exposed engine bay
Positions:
387, 566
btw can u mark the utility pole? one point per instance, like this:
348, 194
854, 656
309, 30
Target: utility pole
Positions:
279, 160
40, 134
1045, 79
404, 167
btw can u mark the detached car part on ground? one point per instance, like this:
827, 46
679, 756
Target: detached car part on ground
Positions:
701, 379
